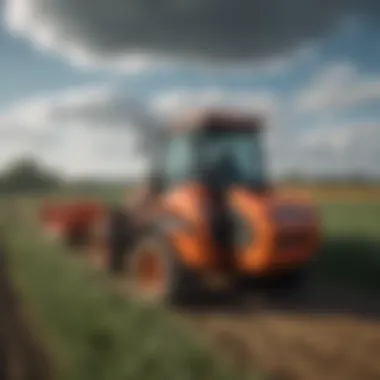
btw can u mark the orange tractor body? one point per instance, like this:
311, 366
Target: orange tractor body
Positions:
216, 214
280, 233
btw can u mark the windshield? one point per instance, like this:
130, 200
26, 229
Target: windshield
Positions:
233, 158
225, 158
179, 163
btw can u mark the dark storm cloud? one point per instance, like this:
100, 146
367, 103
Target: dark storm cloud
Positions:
225, 30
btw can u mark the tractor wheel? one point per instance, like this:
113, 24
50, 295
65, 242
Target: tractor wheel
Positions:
157, 275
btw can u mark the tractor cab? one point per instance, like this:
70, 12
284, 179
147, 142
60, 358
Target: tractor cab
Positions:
218, 150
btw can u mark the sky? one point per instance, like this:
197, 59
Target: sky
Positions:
85, 83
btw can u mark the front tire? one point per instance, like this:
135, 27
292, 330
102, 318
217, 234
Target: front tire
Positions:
157, 274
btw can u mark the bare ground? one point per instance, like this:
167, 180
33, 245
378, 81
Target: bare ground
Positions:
326, 333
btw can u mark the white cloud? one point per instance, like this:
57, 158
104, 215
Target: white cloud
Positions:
322, 149
95, 130
99, 153
338, 86
179, 100
98, 131
339, 149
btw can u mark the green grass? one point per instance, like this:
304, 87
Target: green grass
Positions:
96, 334
361, 220
351, 247
93, 333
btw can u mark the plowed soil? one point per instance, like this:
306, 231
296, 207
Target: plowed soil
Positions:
325, 333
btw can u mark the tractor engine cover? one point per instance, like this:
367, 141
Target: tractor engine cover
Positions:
269, 232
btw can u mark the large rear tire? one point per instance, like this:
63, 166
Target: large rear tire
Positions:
157, 274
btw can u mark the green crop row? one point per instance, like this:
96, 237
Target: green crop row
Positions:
93, 333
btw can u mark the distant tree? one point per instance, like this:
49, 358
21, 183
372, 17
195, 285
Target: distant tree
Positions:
27, 175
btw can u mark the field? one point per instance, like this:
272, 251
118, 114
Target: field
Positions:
96, 334
352, 243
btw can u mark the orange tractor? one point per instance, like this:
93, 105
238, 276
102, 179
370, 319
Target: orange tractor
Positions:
210, 216
213, 217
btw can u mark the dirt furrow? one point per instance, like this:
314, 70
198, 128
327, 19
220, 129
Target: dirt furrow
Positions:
326, 334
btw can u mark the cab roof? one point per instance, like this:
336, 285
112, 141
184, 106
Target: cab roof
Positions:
216, 119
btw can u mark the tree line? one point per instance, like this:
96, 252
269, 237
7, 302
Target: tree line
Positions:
27, 175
